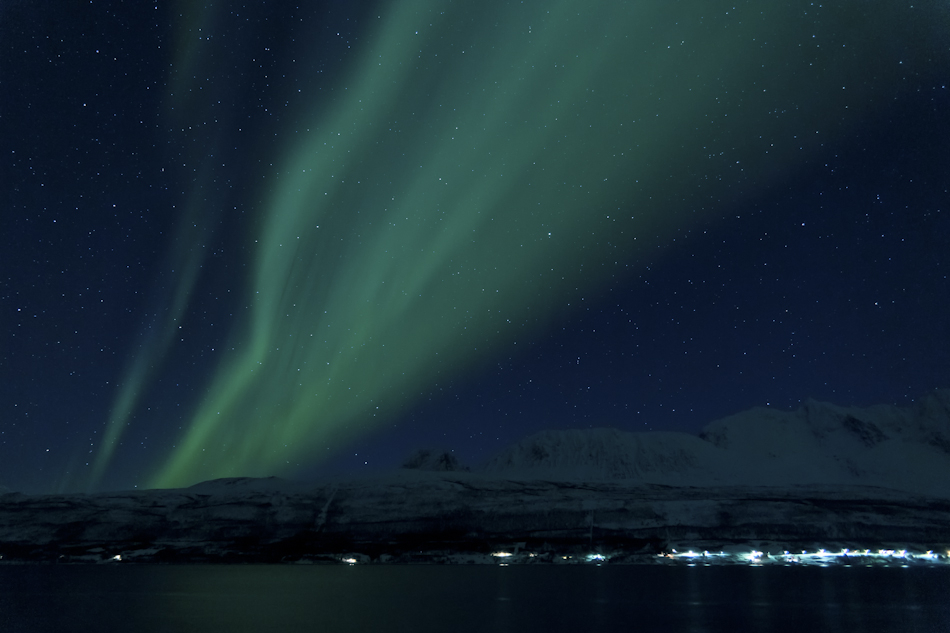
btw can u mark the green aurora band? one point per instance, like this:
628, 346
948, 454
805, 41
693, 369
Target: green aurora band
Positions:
484, 165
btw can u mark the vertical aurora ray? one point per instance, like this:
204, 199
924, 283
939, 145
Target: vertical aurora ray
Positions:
481, 166
185, 257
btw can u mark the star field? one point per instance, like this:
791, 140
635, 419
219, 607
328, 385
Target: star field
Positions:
358, 229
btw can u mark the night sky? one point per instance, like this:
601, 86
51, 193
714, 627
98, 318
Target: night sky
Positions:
306, 240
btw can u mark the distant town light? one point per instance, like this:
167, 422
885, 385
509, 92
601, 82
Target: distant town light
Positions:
822, 556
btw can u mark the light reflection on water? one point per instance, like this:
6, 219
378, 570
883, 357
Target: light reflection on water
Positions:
147, 598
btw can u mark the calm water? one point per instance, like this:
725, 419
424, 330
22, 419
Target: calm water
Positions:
475, 598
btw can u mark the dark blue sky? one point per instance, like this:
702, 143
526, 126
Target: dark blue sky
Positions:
830, 281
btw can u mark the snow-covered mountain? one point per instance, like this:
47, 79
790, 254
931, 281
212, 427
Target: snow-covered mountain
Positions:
817, 477
886, 446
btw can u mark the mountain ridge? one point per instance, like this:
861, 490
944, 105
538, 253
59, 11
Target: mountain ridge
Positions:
904, 448
813, 478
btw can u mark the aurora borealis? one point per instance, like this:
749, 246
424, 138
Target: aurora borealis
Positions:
453, 187
474, 160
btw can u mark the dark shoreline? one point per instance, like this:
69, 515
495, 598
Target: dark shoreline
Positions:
458, 518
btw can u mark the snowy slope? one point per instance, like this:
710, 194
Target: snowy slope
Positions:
818, 444
606, 454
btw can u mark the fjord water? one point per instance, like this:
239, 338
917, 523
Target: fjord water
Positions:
236, 598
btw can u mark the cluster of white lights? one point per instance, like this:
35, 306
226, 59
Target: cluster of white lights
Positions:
589, 558
822, 556
819, 557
